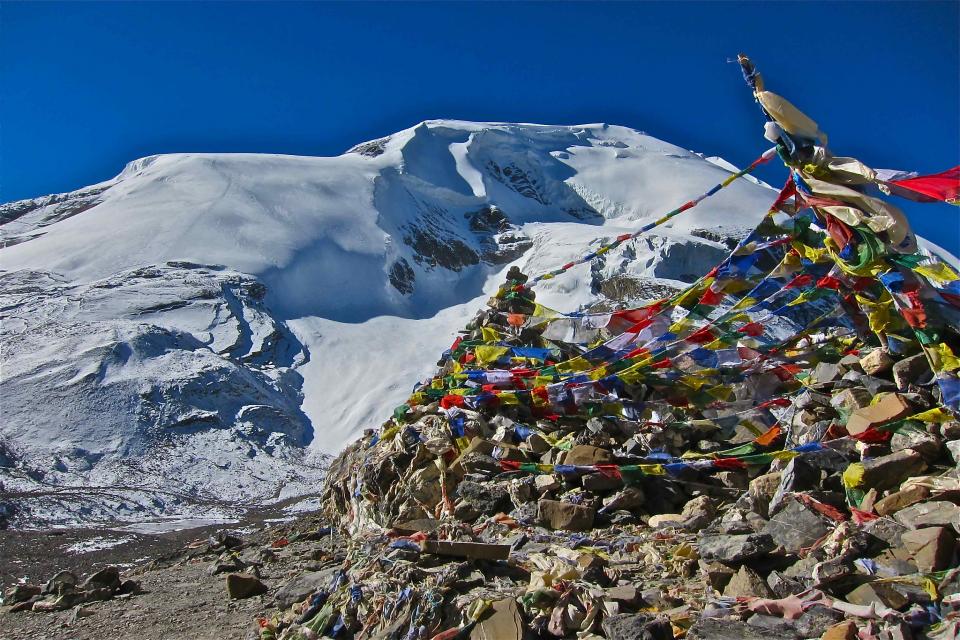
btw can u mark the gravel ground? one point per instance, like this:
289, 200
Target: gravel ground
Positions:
181, 600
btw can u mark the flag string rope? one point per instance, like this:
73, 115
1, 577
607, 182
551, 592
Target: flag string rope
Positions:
766, 156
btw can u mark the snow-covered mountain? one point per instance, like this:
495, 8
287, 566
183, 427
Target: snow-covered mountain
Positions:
190, 337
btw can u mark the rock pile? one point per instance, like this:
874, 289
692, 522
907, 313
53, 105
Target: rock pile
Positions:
838, 518
66, 591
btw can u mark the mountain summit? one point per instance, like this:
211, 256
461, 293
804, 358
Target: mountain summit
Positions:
192, 336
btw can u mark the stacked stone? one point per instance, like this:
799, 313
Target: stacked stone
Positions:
860, 531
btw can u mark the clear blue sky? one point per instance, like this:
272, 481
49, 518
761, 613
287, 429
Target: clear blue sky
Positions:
87, 87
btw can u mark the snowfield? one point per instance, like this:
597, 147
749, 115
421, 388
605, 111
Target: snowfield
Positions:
190, 338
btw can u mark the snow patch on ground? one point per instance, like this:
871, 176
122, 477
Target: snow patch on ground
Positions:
98, 543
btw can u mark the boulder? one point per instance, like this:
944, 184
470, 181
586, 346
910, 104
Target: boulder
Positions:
60, 583
106, 578
242, 585
20, 593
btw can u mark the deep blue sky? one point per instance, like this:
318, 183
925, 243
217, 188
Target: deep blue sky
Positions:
86, 87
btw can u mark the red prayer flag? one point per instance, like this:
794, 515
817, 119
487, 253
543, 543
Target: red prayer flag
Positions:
711, 297
752, 329
944, 186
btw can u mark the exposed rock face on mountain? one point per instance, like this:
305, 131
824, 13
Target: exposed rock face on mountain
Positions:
193, 335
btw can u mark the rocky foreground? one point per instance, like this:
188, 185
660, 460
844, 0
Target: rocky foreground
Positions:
835, 516
572, 529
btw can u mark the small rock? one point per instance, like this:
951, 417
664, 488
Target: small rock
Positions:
782, 586
665, 520
471, 550
600, 482
875, 386
797, 526
564, 515
846, 630
698, 513
128, 587
953, 448
717, 629
634, 626
716, 574
20, 593
901, 499
878, 593
747, 583
950, 430
875, 362
536, 443
926, 444
936, 513
79, 612
629, 498
771, 624
485, 497
798, 475
886, 472
912, 370
503, 621
735, 548
931, 548
584, 454
762, 489
849, 400
545, 482
813, 622
886, 530
626, 595
825, 372
889, 407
